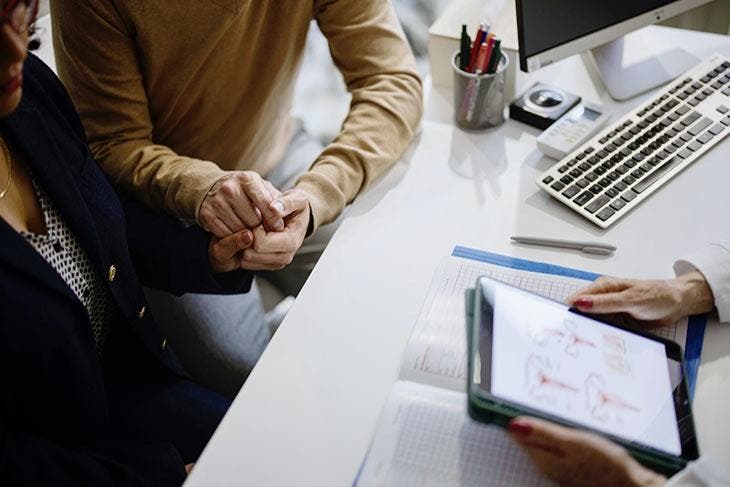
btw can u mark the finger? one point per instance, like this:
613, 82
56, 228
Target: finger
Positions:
216, 226
602, 285
226, 248
259, 195
289, 240
540, 432
253, 260
225, 212
275, 193
290, 202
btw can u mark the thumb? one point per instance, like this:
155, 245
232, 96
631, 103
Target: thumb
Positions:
229, 246
290, 202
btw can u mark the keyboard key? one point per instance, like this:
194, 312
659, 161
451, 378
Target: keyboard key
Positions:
717, 84
572, 162
726, 91
658, 173
575, 173
622, 169
679, 142
596, 189
670, 148
638, 157
610, 147
637, 173
700, 126
591, 177
686, 137
712, 74
594, 160
673, 117
684, 153
628, 196
682, 109
722, 109
629, 180
597, 203
602, 154
706, 137
548, 180
708, 91
600, 170
696, 85
693, 102
584, 166
612, 192
572, 191
589, 150
566, 179
562, 169
583, 183
662, 155
620, 186
581, 156
717, 128
690, 119
654, 161
725, 121
646, 167
700, 97
605, 182
557, 186
706, 79
617, 204
584, 198
605, 213
694, 145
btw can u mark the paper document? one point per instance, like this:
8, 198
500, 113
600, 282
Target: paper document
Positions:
425, 438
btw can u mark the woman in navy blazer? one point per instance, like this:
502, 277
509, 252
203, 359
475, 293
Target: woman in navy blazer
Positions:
70, 415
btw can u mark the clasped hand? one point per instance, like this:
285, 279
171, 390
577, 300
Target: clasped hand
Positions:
254, 225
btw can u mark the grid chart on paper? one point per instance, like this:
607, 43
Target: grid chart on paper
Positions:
557, 291
448, 358
438, 445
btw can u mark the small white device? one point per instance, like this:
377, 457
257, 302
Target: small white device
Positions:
572, 130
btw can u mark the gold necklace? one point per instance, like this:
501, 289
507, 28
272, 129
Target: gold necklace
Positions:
9, 161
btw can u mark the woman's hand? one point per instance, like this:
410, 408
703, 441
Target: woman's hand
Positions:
574, 457
656, 303
226, 254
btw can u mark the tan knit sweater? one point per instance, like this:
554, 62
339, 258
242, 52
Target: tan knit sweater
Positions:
173, 92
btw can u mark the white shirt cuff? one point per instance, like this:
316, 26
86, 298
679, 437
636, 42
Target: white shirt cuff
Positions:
713, 262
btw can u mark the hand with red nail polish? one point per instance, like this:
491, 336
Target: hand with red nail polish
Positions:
577, 458
651, 302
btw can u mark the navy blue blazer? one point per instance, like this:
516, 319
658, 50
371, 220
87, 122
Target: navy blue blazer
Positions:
54, 415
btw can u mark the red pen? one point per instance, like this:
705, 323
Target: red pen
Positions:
479, 37
488, 55
481, 58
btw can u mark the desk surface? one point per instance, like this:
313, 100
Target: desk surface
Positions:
307, 412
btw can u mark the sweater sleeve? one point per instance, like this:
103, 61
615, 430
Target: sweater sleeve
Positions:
370, 50
100, 66
713, 262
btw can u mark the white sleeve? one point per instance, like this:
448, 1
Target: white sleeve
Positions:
700, 473
713, 262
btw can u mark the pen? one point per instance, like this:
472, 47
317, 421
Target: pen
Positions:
587, 247
496, 57
464, 52
484, 64
478, 39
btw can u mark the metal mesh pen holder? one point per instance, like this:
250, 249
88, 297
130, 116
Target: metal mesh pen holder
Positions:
478, 98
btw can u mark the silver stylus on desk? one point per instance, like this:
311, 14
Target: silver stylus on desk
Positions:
587, 247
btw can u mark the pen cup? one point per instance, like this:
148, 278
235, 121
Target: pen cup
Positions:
479, 98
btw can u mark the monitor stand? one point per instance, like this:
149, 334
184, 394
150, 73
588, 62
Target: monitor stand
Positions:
638, 62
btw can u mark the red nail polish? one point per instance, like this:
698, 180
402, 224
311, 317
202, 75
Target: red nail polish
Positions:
586, 303
522, 429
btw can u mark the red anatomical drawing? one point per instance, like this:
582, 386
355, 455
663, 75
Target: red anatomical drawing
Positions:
543, 383
604, 405
566, 337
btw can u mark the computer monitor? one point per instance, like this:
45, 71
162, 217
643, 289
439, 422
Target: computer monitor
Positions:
550, 30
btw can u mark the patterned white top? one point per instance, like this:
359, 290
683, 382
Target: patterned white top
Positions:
60, 248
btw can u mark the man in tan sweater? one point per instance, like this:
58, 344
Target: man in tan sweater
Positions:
187, 105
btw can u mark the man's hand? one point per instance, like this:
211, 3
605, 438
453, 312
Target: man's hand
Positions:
575, 458
275, 250
225, 254
238, 200
655, 303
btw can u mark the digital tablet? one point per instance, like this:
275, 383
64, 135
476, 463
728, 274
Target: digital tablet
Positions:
532, 356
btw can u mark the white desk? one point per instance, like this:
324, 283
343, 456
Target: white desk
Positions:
308, 410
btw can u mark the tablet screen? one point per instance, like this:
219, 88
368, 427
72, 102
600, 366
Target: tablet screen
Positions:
537, 353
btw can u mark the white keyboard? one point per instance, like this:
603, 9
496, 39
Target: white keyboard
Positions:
622, 165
